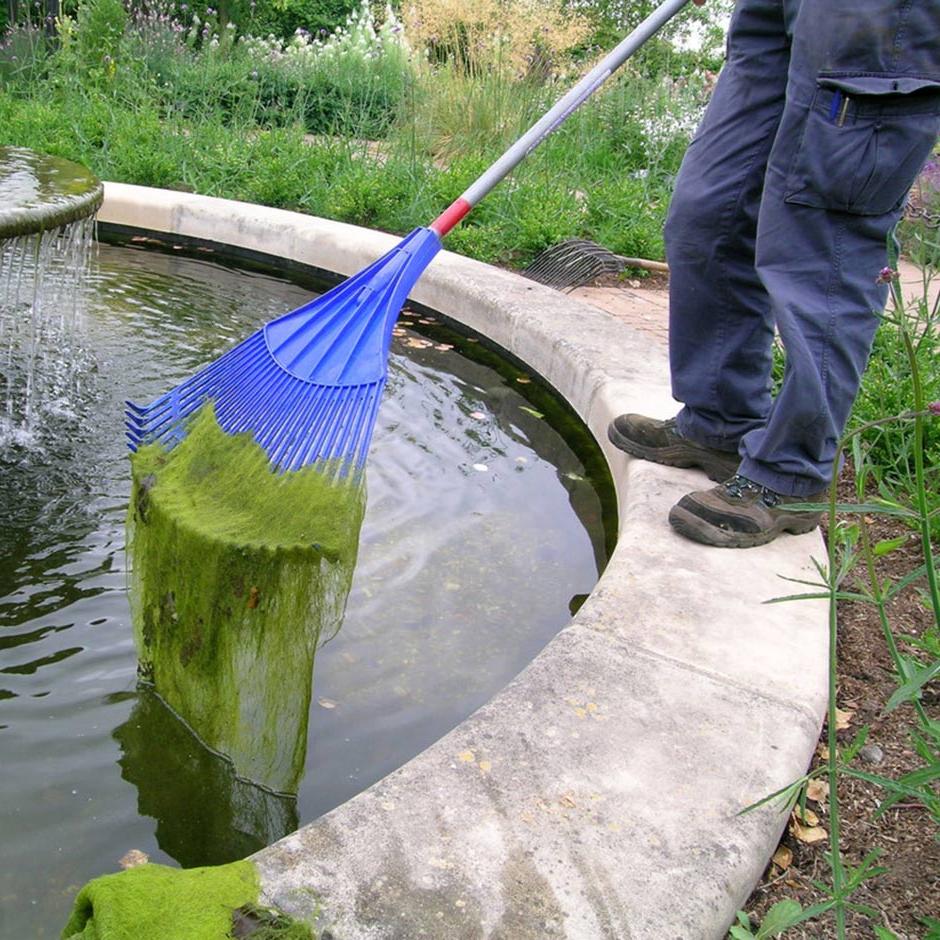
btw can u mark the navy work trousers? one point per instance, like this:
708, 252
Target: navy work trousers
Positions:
821, 119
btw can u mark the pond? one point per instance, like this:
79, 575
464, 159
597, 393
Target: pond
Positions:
484, 529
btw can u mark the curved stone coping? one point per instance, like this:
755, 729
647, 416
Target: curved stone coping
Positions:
597, 795
39, 192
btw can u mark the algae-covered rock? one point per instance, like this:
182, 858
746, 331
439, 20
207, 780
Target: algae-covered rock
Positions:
155, 902
236, 572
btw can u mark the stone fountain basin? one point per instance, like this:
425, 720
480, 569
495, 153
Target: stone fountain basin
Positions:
42, 192
598, 795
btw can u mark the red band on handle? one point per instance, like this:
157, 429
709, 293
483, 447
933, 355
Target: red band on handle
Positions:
450, 217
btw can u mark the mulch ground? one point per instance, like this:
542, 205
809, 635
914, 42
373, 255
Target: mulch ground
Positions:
906, 835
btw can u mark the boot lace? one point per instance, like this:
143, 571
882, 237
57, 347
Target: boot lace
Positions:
740, 487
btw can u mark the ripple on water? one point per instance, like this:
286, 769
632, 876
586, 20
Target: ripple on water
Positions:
462, 577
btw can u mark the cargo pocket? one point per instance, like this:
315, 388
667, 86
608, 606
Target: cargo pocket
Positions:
864, 140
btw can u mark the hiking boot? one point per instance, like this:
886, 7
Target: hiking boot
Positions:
661, 442
740, 513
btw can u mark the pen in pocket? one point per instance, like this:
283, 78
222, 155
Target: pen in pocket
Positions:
837, 108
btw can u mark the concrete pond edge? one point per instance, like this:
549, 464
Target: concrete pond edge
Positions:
599, 794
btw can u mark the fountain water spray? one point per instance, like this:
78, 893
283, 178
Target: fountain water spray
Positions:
47, 208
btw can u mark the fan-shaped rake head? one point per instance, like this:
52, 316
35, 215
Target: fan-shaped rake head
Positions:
308, 385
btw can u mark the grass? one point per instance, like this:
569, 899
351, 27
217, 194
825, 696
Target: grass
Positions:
200, 108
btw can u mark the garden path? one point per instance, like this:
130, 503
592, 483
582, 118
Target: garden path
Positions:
646, 308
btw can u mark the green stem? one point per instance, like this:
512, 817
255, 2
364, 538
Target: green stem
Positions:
921, 486
835, 856
879, 599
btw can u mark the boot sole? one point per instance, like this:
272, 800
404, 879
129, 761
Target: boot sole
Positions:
700, 530
676, 456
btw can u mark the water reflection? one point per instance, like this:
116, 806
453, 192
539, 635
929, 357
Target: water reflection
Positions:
205, 813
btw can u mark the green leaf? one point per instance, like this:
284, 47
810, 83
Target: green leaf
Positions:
741, 933
906, 787
787, 795
839, 595
814, 910
933, 928
886, 546
882, 933
783, 915
883, 509
531, 411
848, 754
911, 689
866, 869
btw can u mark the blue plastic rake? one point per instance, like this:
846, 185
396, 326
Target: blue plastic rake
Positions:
308, 384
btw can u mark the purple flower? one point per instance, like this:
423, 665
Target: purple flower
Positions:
886, 276
934, 407
930, 174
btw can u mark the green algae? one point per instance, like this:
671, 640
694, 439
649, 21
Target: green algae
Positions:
156, 902
236, 573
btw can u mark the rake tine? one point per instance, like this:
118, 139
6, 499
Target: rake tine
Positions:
271, 435
347, 441
196, 387
286, 437
321, 430
301, 433
312, 448
304, 449
326, 445
272, 381
299, 445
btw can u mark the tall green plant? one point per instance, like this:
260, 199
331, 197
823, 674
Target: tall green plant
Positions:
916, 660
99, 34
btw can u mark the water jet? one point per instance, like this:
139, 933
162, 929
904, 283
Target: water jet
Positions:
47, 208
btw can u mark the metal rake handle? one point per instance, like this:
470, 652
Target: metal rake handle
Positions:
553, 118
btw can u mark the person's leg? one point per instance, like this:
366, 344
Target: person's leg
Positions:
862, 114
721, 326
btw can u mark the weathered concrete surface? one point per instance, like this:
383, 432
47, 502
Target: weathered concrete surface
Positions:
597, 796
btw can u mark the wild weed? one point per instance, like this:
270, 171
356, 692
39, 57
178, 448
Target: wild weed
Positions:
850, 573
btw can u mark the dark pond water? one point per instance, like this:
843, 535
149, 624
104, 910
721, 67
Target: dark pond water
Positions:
483, 530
